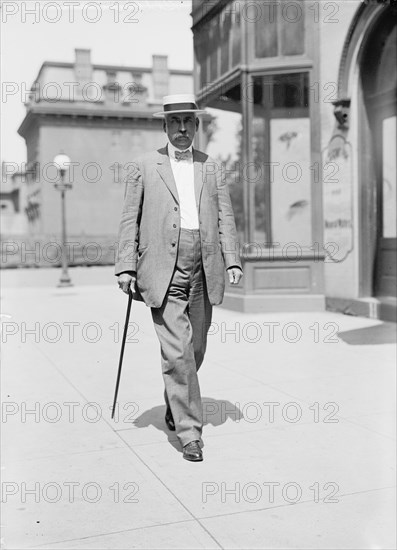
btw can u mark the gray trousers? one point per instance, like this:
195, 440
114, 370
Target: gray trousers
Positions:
182, 324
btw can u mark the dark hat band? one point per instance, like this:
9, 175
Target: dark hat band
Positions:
180, 107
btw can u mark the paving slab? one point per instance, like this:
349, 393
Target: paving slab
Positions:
382, 423
185, 535
342, 457
364, 520
84, 494
42, 414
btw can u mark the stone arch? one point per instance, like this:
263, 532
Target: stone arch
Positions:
361, 26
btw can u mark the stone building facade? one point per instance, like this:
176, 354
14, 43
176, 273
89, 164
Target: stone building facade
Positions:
100, 116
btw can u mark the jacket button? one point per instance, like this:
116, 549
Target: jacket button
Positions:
174, 225
175, 208
172, 244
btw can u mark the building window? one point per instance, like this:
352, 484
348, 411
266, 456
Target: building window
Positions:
135, 93
236, 34
281, 159
111, 76
266, 42
217, 44
137, 77
293, 28
112, 87
201, 50
279, 28
226, 25
214, 36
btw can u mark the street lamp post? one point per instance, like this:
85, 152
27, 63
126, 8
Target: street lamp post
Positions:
62, 162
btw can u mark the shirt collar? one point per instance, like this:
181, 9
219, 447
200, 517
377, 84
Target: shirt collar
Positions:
172, 149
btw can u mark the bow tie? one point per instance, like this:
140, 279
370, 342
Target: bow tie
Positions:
183, 155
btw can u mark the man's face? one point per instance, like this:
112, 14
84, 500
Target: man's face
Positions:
180, 129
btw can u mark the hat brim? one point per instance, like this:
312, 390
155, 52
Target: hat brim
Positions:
162, 114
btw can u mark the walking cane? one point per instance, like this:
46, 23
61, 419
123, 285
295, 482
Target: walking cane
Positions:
127, 318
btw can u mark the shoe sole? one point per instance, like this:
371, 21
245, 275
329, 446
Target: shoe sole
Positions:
193, 459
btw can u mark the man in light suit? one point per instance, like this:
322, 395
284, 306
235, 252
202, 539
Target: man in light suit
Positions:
177, 235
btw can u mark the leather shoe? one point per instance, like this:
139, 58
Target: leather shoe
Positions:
192, 452
169, 420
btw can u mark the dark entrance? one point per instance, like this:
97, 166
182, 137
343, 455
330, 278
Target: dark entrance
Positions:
379, 85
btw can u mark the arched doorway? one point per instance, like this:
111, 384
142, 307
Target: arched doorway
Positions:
378, 77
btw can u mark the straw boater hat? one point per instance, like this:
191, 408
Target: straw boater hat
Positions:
179, 103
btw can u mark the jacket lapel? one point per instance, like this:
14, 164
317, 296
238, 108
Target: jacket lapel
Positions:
165, 171
198, 177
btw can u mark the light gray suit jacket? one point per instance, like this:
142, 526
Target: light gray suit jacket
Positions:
150, 223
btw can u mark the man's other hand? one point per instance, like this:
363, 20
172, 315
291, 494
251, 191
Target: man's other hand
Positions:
235, 275
127, 281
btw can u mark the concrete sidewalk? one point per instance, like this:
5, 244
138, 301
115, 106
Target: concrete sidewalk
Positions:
299, 436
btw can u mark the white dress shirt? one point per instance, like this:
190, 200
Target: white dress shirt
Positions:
183, 171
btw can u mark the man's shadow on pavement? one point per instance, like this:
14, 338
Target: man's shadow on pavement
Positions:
215, 412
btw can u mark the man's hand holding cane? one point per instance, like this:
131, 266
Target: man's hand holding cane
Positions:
126, 281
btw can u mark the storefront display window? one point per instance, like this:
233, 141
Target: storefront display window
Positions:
389, 196
281, 157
